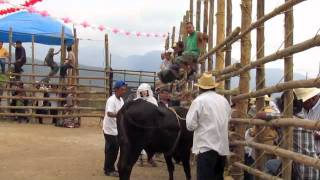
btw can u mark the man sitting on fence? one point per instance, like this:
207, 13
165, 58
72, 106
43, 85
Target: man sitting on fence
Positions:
3, 57
68, 63
49, 61
194, 46
21, 58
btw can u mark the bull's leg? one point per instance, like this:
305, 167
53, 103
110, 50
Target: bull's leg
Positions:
170, 166
123, 163
186, 164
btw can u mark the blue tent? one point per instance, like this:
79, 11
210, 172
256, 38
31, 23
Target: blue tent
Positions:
46, 30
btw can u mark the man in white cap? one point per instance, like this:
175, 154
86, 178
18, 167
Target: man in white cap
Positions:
208, 117
144, 92
166, 61
311, 108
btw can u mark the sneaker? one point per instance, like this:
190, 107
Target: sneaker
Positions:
112, 174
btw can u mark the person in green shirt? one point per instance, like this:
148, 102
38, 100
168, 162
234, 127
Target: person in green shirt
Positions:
195, 43
195, 46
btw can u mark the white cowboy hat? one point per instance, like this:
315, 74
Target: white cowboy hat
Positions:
206, 82
306, 93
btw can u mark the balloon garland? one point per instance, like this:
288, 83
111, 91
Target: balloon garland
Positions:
26, 4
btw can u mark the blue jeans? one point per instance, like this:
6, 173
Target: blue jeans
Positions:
3, 65
210, 166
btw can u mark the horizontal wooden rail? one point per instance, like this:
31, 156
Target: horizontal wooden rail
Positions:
256, 172
52, 91
229, 69
234, 33
279, 88
300, 158
52, 108
283, 122
54, 99
64, 85
50, 116
277, 11
116, 71
308, 44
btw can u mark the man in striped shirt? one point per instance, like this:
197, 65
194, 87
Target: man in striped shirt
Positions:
303, 137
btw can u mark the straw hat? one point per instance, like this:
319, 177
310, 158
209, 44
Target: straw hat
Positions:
206, 82
306, 93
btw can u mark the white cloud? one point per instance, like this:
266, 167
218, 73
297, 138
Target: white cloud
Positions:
161, 15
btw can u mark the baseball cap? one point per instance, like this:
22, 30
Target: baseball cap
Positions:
119, 84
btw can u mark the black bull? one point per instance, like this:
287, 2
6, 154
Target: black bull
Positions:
142, 125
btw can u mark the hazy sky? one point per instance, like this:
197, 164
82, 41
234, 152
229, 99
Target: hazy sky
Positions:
161, 15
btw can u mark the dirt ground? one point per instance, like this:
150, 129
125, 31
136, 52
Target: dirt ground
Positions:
45, 152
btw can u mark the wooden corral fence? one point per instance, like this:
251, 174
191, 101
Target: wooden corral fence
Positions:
224, 70
90, 90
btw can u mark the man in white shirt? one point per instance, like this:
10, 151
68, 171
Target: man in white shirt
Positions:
208, 117
113, 105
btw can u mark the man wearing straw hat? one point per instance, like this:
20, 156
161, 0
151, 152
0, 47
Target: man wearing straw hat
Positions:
208, 117
311, 108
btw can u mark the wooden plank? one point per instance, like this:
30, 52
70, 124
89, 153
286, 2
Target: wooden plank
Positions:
308, 44
228, 57
210, 42
282, 122
220, 36
288, 94
244, 86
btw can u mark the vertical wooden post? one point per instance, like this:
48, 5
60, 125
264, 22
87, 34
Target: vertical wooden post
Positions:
229, 46
33, 78
107, 66
260, 75
210, 42
167, 44
220, 36
9, 66
187, 16
205, 30
62, 59
180, 31
191, 11
173, 36
75, 72
288, 97
10, 48
198, 17
63, 54
242, 106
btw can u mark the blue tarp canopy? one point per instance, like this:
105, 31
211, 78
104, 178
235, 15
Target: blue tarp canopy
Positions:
46, 30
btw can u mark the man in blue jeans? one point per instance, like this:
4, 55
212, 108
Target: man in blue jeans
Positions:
113, 105
208, 117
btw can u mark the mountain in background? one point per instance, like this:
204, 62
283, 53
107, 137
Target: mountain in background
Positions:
151, 62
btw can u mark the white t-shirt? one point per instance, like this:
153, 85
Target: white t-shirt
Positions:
113, 105
208, 117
